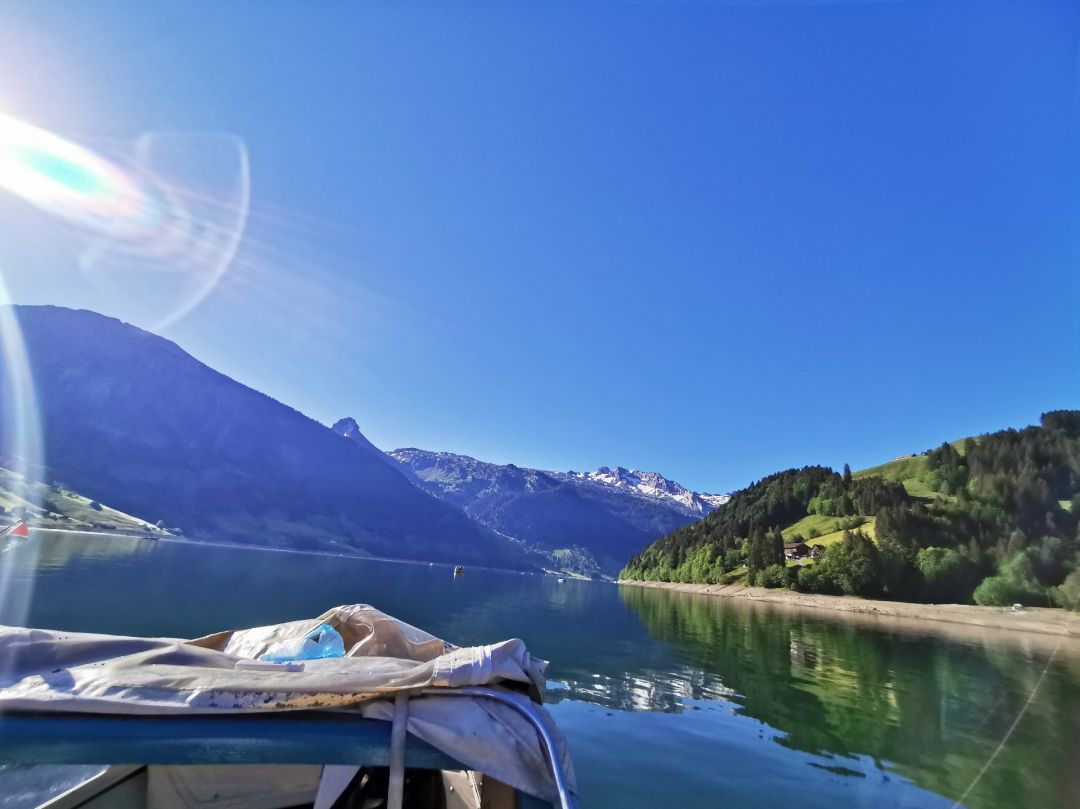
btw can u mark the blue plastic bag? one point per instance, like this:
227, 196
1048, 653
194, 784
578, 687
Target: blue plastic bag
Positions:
323, 641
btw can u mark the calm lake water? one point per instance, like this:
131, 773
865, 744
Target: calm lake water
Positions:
667, 699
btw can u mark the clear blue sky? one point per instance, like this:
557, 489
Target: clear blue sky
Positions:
709, 239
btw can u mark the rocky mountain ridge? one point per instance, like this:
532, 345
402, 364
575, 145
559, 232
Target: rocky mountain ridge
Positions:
603, 512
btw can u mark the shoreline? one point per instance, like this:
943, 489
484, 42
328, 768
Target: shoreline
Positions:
1037, 620
181, 539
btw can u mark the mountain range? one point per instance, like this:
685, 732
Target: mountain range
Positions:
607, 512
134, 421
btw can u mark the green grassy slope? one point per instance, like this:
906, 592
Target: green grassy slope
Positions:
907, 470
45, 506
830, 529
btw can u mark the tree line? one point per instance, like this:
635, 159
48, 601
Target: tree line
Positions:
1001, 526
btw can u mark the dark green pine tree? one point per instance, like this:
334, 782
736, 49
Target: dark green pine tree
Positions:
776, 547
757, 555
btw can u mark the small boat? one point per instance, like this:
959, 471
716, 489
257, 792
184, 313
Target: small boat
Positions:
561, 579
17, 529
213, 720
459, 570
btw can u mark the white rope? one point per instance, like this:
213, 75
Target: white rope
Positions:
1009, 732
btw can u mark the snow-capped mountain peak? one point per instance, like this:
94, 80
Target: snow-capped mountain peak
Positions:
610, 513
653, 484
714, 500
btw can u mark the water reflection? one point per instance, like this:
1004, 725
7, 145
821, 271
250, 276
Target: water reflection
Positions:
56, 550
732, 703
934, 710
670, 693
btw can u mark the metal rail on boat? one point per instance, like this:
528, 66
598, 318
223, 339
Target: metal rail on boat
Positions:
566, 798
303, 737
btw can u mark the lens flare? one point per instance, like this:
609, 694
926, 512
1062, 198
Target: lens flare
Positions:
21, 450
158, 227
66, 180
153, 227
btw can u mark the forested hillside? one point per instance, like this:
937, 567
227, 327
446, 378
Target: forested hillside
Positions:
990, 519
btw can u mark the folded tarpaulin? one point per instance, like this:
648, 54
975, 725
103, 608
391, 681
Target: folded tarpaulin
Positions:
45, 670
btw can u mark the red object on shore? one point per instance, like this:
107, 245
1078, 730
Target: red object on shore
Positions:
19, 529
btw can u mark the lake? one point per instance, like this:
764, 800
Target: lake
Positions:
667, 699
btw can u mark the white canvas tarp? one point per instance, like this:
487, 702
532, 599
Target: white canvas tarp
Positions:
44, 670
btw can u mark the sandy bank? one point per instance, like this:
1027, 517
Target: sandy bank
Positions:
1038, 620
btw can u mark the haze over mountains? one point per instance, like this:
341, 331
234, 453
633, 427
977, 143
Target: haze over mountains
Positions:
605, 512
133, 421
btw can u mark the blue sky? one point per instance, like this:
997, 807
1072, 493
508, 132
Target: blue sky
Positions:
708, 239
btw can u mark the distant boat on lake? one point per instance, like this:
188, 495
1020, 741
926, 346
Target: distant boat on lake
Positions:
459, 570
